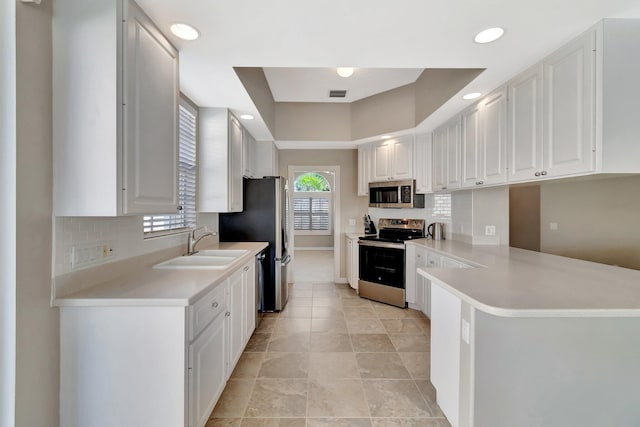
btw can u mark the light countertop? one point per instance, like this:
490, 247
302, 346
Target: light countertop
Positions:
146, 286
519, 283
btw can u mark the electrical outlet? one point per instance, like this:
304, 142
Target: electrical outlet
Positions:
553, 226
352, 222
490, 230
91, 253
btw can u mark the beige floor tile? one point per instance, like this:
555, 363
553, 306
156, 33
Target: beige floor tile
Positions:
323, 286
384, 311
284, 365
302, 293
224, 422
267, 325
347, 293
296, 312
300, 286
234, 398
273, 422
359, 312
333, 365
278, 398
258, 342
325, 293
338, 422
313, 266
248, 366
410, 343
415, 314
327, 302
291, 326
299, 302
270, 315
372, 343
336, 398
381, 365
324, 342
418, 364
404, 326
327, 312
365, 326
409, 422
335, 325
395, 398
356, 302
429, 394
290, 343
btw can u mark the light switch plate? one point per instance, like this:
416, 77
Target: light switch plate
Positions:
490, 230
553, 226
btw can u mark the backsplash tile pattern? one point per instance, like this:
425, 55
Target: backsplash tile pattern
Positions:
462, 212
123, 234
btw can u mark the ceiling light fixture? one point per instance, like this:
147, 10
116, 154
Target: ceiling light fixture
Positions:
185, 31
472, 95
489, 35
345, 71
246, 116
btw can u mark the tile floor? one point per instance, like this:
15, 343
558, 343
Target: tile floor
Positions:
316, 264
333, 359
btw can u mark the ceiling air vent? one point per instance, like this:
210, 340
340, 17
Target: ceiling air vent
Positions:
337, 93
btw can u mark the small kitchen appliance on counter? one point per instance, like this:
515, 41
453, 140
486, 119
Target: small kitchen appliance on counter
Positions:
435, 230
381, 263
369, 226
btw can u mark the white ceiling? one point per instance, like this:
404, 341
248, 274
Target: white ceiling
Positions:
414, 34
313, 84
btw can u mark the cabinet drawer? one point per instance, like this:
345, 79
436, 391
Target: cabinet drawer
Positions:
434, 260
206, 309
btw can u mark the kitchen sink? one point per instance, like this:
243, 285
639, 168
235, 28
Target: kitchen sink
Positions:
197, 262
230, 253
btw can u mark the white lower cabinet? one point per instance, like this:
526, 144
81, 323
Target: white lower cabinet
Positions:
207, 371
172, 361
352, 261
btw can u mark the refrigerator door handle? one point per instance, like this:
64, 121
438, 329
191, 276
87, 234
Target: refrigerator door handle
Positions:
286, 260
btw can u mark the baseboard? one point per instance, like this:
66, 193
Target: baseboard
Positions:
313, 249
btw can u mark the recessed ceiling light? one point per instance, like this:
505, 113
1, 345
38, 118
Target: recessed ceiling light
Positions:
472, 95
489, 35
345, 71
185, 31
385, 136
246, 116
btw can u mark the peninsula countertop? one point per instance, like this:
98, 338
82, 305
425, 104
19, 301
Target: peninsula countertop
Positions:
145, 286
513, 282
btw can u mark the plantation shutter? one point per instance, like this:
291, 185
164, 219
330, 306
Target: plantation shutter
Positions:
311, 214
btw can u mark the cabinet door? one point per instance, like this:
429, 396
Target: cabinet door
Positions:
421, 262
207, 371
446, 310
569, 91
453, 154
410, 277
471, 147
235, 314
364, 167
349, 253
381, 162
402, 159
235, 165
439, 159
248, 155
250, 306
355, 267
493, 157
423, 164
525, 125
151, 87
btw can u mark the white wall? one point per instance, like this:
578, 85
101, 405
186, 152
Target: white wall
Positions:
37, 329
8, 217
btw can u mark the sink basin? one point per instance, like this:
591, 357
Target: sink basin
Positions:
231, 253
197, 262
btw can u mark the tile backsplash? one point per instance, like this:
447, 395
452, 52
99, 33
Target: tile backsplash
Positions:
122, 237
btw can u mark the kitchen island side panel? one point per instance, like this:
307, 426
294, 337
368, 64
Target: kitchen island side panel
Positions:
556, 372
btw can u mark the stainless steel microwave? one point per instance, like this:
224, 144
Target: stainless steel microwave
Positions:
395, 194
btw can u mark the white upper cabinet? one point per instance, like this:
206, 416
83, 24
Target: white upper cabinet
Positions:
263, 158
393, 159
471, 147
220, 161
249, 161
493, 156
364, 169
569, 89
423, 163
115, 98
446, 156
525, 125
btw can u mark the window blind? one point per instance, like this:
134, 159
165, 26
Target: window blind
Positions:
311, 214
186, 218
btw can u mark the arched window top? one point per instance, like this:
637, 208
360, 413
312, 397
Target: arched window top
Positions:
310, 182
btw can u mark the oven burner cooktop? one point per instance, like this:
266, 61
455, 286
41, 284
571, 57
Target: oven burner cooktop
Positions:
394, 230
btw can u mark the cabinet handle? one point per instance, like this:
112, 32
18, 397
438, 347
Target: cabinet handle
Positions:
537, 174
246, 268
444, 188
418, 256
214, 304
481, 182
543, 173
227, 314
180, 208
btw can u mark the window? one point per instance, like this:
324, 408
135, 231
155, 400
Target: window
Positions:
163, 224
312, 204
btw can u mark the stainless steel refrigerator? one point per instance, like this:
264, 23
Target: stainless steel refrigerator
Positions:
263, 220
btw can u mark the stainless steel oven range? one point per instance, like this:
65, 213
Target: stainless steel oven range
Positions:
381, 260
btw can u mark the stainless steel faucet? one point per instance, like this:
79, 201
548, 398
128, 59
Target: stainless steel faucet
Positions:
192, 241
